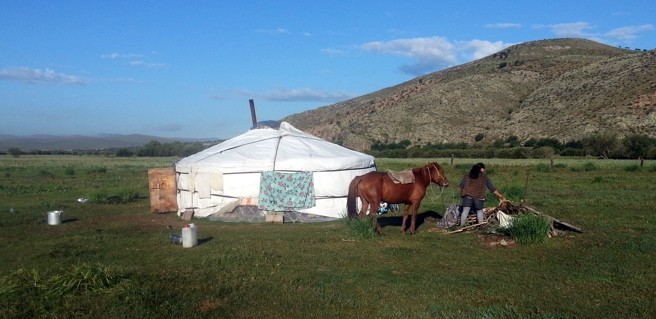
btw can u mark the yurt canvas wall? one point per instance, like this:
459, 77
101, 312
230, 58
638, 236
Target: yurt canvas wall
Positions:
229, 174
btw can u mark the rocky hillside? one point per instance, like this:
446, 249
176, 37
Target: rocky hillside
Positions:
560, 88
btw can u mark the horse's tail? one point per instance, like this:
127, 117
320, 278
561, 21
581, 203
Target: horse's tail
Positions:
351, 198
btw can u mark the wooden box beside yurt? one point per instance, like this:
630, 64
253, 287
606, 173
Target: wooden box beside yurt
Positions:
161, 182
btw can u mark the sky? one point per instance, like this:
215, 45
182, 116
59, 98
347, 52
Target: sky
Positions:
187, 69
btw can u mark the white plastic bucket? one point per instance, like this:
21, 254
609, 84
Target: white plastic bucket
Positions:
54, 217
189, 236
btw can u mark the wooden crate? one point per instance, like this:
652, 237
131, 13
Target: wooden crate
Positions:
273, 217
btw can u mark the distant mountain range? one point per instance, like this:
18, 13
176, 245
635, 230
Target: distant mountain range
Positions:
80, 142
565, 89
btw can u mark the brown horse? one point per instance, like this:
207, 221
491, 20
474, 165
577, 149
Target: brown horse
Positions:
376, 187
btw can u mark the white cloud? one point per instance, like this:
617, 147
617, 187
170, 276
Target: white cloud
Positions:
435, 48
432, 54
333, 52
35, 76
273, 31
503, 26
147, 64
121, 56
629, 33
572, 30
583, 30
300, 94
480, 48
136, 59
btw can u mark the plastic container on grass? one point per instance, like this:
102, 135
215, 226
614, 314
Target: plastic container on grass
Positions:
189, 236
54, 217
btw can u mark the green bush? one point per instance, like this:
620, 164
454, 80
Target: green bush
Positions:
74, 280
97, 170
632, 168
513, 193
362, 228
529, 229
599, 179
116, 196
543, 152
572, 152
46, 173
70, 171
589, 167
542, 168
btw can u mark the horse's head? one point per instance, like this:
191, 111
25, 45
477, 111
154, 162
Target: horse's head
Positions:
437, 175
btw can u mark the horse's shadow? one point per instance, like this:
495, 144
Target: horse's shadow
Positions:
385, 221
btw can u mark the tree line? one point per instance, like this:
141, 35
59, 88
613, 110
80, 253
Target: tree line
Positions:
150, 149
602, 145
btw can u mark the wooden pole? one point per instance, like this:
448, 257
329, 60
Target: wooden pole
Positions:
463, 228
528, 173
561, 223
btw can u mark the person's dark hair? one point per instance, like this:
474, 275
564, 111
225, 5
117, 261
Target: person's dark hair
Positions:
476, 170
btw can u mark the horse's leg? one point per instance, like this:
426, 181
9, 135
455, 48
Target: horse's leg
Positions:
363, 208
415, 207
373, 213
406, 210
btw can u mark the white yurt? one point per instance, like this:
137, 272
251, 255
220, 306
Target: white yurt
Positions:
273, 167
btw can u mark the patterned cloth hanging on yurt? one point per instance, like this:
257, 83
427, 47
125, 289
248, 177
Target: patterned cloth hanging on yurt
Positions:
286, 191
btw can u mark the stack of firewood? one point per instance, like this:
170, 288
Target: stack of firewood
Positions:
507, 207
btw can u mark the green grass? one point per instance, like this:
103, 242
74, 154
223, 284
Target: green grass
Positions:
115, 260
529, 229
363, 228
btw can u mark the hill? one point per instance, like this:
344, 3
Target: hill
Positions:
558, 88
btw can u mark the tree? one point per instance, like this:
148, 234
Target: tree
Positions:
543, 152
152, 148
574, 144
530, 142
552, 142
498, 143
14, 151
404, 144
124, 152
637, 145
601, 144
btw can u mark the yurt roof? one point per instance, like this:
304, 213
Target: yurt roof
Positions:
266, 148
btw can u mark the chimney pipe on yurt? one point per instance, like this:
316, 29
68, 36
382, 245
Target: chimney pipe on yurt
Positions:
253, 117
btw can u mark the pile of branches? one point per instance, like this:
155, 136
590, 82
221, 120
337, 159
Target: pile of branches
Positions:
507, 207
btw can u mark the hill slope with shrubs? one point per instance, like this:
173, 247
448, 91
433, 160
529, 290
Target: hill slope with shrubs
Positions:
562, 89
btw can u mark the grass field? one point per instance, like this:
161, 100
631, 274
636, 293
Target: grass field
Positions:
114, 260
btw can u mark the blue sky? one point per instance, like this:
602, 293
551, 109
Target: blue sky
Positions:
189, 68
